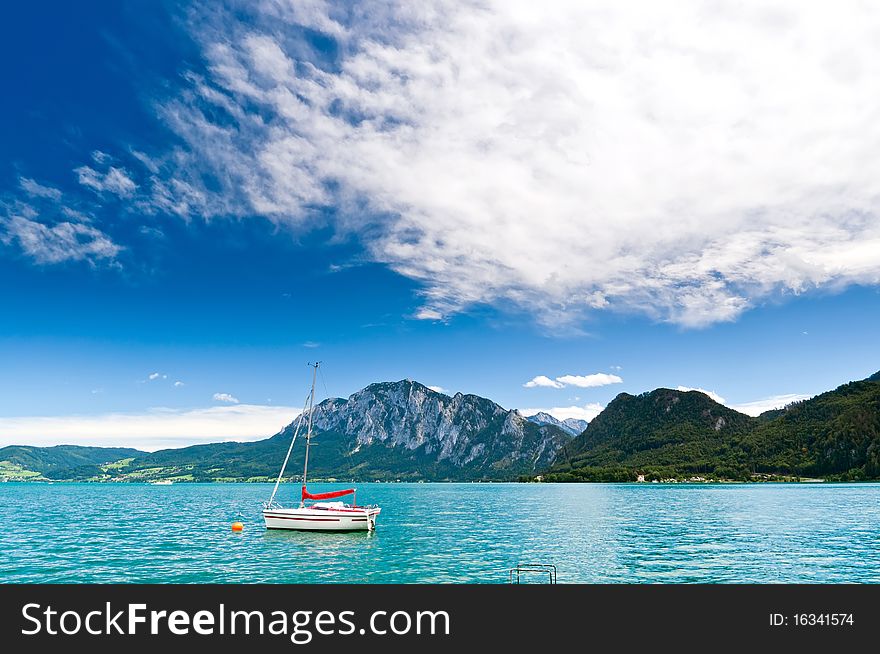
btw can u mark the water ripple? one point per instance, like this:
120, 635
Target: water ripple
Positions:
440, 533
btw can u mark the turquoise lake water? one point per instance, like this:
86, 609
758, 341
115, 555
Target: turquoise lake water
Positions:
446, 533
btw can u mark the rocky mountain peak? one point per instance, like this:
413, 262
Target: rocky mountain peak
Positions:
572, 426
461, 430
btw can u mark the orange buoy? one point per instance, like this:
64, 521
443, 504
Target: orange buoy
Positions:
237, 526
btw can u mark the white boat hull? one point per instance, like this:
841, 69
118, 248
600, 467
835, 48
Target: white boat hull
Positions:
312, 519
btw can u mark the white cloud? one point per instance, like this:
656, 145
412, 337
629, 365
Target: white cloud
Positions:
711, 394
757, 407
37, 190
437, 389
589, 381
153, 376
178, 384
56, 243
586, 412
311, 344
101, 157
115, 180
428, 314
544, 381
151, 165
151, 430
225, 397
581, 381
574, 158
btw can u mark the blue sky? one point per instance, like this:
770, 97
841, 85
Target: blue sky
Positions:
195, 202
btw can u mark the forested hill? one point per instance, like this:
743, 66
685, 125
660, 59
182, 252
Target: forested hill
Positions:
664, 432
833, 434
668, 433
24, 461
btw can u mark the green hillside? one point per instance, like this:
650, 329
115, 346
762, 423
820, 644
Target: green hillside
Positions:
661, 433
57, 462
834, 434
669, 433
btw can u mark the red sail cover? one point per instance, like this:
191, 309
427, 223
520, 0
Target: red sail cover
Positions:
326, 496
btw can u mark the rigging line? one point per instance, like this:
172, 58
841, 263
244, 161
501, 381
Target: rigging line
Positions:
289, 450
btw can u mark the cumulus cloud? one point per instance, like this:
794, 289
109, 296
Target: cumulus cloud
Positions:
225, 397
150, 430
757, 407
593, 156
178, 384
586, 412
544, 381
581, 381
589, 381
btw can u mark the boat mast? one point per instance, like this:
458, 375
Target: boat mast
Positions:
309, 430
299, 423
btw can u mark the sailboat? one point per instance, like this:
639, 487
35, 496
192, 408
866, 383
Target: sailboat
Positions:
320, 515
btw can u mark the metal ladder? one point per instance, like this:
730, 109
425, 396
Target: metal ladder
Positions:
531, 568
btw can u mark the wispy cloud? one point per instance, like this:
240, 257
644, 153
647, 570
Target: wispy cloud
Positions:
426, 313
58, 242
715, 396
37, 190
51, 228
114, 180
581, 381
178, 384
225, 397
311, 344
567, 161
757, 407
150, 430
437, 389
100, 157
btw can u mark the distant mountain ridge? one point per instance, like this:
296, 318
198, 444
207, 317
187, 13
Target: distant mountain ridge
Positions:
389, 430
405, 430
572, 426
